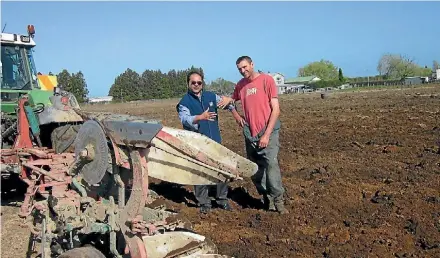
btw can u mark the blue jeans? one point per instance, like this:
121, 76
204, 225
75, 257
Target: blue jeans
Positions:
267, 180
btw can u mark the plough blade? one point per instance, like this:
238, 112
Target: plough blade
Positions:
179, 156
182, 244
189, 158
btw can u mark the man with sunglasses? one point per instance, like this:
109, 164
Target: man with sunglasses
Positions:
198, 112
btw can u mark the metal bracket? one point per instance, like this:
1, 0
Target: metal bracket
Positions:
131, 134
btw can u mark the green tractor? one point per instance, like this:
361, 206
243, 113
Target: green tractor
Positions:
50, 111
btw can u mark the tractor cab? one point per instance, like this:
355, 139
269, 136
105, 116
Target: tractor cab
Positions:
18, 74
46, 104
18, 68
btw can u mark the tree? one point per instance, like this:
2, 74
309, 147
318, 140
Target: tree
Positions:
221, 86
341, 76
126, 87
73, 83
323, 69
79, 87
152, 84
63, 79
396, 67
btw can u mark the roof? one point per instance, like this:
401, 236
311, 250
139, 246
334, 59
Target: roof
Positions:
273, 74
299, 79
16, 39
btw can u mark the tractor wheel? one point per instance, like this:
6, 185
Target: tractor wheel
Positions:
83, 252
62, 138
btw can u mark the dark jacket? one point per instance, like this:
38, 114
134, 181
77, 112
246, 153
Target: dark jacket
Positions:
197, 106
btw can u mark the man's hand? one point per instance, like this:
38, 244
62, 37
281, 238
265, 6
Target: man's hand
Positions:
205, 116
239, 119
224, 101
264, 141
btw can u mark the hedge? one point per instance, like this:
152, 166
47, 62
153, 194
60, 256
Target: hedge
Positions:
326, 83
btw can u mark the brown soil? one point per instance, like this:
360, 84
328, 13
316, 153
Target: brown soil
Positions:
361, 172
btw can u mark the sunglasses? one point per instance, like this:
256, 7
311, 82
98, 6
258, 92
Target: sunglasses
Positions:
196, 83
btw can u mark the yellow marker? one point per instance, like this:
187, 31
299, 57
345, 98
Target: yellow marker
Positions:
47, 82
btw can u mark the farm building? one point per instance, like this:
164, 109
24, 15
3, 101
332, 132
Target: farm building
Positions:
344, 86
282, 87
302, 80
413, 80
278, 77
104, 99
436, 74
289, 88
293, 85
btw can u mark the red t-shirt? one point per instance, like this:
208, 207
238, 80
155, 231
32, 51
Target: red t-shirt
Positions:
255, 100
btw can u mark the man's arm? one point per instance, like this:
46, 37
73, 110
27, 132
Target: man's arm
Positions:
275, 106
272, 94
226, 101
235, 98
192, 121
186, 118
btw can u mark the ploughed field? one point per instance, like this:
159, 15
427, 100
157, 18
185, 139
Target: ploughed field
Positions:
361, 172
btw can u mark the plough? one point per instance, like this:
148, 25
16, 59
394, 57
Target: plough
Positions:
95, 201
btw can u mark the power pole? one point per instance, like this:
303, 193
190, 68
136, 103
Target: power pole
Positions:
368, 78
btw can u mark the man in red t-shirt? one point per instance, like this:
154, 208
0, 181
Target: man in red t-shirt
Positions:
258, 94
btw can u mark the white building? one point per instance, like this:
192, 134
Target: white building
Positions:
104, 99
436, 74
278, 77
283, 88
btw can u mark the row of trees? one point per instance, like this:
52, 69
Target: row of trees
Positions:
155, 84
131, 86
390, 67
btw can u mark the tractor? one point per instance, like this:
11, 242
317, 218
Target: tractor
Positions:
87, 174
49, 109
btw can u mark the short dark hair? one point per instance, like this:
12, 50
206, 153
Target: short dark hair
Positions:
241, 58
188, 76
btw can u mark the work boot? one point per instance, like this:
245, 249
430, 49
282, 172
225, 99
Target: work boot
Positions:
268, 203
205, 209
279, 206
225, 206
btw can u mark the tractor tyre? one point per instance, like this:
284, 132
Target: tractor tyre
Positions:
62, 138
83, 252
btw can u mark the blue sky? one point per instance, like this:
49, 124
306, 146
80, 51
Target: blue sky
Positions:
103, 39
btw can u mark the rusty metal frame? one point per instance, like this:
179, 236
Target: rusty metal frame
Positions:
38, 179
23, 139
135, 204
